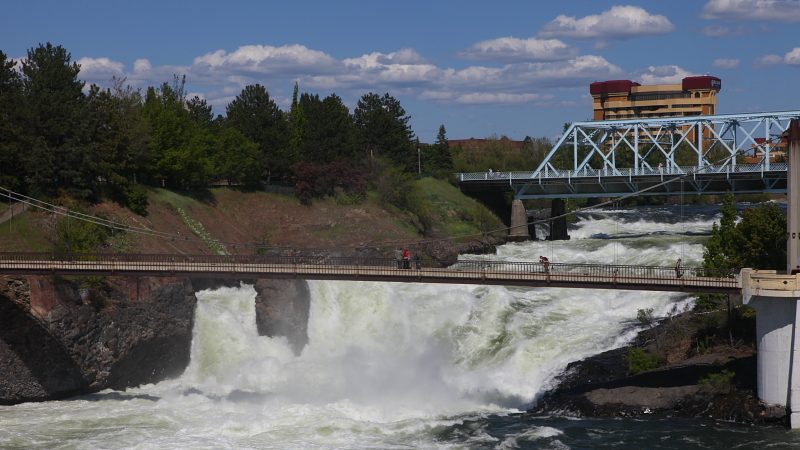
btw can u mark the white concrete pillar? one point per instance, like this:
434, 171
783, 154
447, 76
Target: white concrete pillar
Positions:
774, 337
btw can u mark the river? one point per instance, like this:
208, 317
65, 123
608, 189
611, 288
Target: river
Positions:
406, 365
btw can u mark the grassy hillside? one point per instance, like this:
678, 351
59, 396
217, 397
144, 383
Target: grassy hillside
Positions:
229, 219
451, 213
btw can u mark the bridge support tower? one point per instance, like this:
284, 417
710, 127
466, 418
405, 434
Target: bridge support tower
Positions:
776, 299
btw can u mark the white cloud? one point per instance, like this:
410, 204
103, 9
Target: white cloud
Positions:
100, 69
486, 98
619, 22
221, 75
511, 49
749, 10
142, 65
724, 63
791, 58
770, 60
265, 59
716, 30
670, 74
378, 60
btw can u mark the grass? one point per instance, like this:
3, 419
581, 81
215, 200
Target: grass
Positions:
454, 213
24, 234
173, 199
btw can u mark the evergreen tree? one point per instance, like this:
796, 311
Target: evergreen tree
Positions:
383, 130
328, 134
297, 125
55, 113
12, 171
440, 160
258, 117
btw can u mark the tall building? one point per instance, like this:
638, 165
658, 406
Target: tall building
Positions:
626, 99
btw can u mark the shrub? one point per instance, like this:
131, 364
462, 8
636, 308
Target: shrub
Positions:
645, 316
136, 199
719, 382
79, 236
328, 180
640, 360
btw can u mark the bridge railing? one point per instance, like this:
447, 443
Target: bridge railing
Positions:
567, 272
588, 172
564, 273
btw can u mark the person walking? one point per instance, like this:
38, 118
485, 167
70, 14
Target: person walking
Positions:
678, 269
406, 259
398, 258
545, 264
417, 262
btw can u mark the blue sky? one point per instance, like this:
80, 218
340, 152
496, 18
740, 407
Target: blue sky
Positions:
481, 68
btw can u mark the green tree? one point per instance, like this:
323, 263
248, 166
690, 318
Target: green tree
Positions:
258, 117
200, 111
722, 248
12, 171
236, 158
181, 148
55, 110
297, 124
439, 160
383, 130
328, 132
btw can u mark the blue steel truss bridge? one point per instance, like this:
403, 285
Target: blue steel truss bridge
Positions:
655, 156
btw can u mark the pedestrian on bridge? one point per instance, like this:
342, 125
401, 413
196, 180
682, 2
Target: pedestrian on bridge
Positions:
398, 258
545, 264
678, 269
406, 259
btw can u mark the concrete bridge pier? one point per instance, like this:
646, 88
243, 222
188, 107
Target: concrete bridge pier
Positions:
519, 222
776, 299
558, 226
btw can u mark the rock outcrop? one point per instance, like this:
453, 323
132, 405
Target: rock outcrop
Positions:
59, 339
282, 308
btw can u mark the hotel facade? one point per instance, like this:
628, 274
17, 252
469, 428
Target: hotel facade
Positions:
626, 99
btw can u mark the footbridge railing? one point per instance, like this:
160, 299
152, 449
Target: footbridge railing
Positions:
599, 276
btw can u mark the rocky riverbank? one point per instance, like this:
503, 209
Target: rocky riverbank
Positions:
717, 383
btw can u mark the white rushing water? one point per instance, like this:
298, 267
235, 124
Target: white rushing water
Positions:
387, 365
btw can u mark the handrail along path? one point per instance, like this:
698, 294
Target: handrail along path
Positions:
595, 276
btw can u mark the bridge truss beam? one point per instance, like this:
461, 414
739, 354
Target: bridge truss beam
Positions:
619, 157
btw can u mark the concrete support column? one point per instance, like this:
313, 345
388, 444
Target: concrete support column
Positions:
774, 337
793, 191
558, 227
519, 222
794, 370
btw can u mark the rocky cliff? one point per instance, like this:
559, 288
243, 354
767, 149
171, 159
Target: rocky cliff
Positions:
59, 339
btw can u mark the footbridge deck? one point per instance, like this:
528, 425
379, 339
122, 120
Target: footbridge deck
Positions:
594, 276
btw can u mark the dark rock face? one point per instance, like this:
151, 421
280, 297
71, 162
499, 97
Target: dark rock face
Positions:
282, 308
600, 386
57, 339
